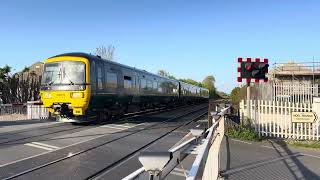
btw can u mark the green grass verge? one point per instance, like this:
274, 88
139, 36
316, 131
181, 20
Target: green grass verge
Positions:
243, 133
305, 144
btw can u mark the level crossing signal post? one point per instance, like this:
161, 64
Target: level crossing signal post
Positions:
252, 70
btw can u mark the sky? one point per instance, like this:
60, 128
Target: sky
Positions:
189, 39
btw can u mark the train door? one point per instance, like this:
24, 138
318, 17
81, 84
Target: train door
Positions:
93, 77
179, 90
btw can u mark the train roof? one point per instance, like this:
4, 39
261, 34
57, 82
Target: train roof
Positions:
90, 56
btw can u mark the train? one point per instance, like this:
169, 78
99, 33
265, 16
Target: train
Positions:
80, 87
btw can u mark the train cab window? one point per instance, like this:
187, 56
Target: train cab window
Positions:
127, 82
100, 84
112, 80
143, 84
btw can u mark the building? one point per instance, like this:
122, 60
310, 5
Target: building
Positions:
291, 72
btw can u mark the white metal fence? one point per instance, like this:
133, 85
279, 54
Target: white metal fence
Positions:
36, 110
10, 112
206, 163
274, 119
295, 92
30, 110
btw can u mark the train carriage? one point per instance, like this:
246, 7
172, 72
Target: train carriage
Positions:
78, 86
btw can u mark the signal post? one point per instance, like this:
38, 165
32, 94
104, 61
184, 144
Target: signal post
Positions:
252, 70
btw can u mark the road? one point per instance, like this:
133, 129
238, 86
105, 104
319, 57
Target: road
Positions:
243, 160
103, 151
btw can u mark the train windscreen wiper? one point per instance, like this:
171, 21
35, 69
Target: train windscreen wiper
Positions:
65, 75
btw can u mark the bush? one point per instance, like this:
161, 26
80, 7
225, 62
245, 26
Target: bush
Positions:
244, 133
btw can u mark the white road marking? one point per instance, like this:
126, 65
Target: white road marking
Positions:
113, 127
267, 147
40, 147
6, 164
118, 125
240, 141
45, 145
198, 125
19, 160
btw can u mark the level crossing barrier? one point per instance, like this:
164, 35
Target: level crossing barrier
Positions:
157, 165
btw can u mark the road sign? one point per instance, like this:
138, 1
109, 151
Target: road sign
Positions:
252, 70
303, 117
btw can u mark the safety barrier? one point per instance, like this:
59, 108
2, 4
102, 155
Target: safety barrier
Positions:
157, 165
35, 110
22, 111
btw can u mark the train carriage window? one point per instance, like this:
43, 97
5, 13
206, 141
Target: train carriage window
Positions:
149, 84
155, 85
127, 82
143, 84
112, 80
100, 84
93, 76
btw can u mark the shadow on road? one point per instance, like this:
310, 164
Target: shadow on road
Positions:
292, 163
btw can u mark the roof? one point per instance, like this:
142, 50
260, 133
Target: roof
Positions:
90, 56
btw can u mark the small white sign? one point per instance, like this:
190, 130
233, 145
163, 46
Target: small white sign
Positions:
303, 117
316, 99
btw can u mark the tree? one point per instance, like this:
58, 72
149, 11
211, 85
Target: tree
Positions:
166, 74
191, 81
208, 83
163, 73
106, 53
235, 96
4, 72
17, 87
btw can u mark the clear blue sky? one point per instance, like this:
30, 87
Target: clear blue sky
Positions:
189, 39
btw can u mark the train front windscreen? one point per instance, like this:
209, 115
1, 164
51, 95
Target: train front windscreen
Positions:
64, 76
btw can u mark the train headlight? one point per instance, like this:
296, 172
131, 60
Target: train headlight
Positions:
47, 95
77, 95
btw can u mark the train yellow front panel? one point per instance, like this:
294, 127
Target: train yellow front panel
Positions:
78, 100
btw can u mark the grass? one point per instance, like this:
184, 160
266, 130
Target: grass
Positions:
305, 144
243, 133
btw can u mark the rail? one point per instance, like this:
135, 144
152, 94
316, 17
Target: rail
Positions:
206, 164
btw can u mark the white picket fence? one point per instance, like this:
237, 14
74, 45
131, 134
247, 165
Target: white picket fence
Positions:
295, 92
273, 119
29, 110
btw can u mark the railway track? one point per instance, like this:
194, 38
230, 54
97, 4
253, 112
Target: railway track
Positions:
103, 172
60, 157
49, 132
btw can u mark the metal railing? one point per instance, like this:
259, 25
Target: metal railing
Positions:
206, 164
35, 110
29, 110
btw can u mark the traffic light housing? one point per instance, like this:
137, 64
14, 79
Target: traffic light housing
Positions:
252, 70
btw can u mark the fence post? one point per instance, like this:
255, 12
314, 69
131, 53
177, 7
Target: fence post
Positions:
316, 109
